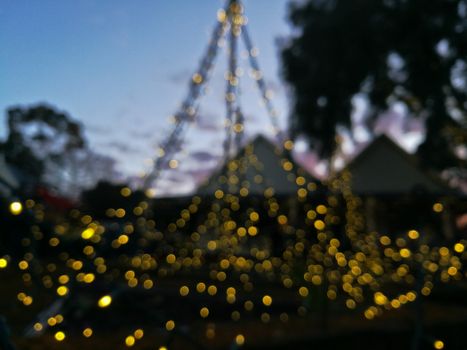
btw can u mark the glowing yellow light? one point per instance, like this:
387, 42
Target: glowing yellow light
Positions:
16, 208
300, 181
201, 287
385, 240
63, 279
23, 265
212, 290
88, 233
350, 303
60, 336
252, 231
238, 128
204, 312
120, 213
87, 332
267, 300
303, 291
184, 290
321, 209
148, 284
105, 301
380, 298
171, 258
458, 247
197, 78
282, 219
123, 239
221, 15
77, 265
89, 278
3, 263
62, 291
254, 216
404, 252
38, 326
170, 325
287, 166
369, 314
438, 344
411, 296
443, 251
319, 224
130, 341
413, 234
243, 192
240, 339
125, 192
288, 145
173, 163
438, 207
139, 333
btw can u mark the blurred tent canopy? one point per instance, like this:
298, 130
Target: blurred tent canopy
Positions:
264, 169
407, 52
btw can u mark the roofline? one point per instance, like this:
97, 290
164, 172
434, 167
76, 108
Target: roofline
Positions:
411, 159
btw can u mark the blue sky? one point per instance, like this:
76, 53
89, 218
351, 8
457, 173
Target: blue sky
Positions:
122, 67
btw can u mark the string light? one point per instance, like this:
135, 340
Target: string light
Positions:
228, 243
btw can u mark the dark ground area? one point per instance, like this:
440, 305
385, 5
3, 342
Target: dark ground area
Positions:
444, 315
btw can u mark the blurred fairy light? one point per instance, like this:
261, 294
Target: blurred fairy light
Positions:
16, 208
230, 29
104, 301
218, 240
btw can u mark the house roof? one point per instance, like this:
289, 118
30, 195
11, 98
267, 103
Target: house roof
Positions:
262, 168
385, 168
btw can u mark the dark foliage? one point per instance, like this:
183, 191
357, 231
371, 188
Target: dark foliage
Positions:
409, 51
22, 146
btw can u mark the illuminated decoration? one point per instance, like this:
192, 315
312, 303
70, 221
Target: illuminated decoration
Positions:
105, 301
231, 27
87, 332
16, 208
3, 263
60, 336
260, 231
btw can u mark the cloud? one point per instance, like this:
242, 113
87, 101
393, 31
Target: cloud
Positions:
203, 156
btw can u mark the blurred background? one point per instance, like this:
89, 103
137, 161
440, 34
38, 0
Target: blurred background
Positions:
227, 174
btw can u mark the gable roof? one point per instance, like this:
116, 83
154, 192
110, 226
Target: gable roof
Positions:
385, 168
263, 169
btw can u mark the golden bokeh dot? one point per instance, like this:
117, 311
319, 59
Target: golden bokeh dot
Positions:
60, 336
267, 300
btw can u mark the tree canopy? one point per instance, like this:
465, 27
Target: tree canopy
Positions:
49, 147
411, 52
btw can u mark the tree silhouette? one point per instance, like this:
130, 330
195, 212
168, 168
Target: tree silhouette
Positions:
411, 52
50, 148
